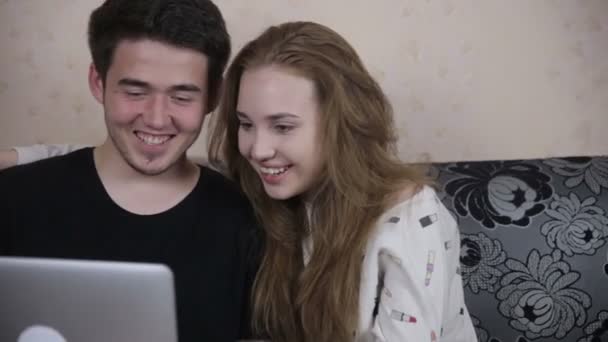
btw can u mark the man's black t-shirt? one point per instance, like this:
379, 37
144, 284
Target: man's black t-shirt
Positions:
59, 208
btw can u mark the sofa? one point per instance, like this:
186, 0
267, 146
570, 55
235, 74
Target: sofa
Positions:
534, 246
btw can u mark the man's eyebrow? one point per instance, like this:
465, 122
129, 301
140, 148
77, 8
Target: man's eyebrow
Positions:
131, 82
187, 88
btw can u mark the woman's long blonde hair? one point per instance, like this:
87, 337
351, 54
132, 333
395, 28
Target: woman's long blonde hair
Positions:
317, 302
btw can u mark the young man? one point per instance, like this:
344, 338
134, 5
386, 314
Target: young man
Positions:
157, 68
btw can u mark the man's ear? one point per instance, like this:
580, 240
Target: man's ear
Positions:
96, 83
213, 102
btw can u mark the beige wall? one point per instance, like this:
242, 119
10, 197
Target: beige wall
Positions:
469, 79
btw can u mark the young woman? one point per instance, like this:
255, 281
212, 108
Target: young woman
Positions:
357, 246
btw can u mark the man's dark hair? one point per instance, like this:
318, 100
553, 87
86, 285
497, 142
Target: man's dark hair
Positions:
192, 24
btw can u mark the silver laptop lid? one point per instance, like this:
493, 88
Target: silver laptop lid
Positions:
85, 301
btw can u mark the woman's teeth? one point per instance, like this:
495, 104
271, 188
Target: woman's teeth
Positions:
273, 171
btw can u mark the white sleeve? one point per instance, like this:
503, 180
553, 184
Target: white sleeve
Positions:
422, 297
32, 153
457, 324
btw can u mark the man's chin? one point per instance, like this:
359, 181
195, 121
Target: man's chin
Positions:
153, 167
151, 171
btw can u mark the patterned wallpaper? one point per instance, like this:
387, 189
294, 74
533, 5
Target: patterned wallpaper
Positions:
469, 79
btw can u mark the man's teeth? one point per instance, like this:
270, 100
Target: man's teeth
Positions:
273, 171
153, 139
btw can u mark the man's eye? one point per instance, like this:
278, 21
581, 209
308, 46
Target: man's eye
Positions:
182, 99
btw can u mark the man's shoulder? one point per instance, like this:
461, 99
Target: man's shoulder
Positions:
215, 183
44, 171
223, 194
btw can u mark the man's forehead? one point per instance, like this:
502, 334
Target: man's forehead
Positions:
159, 63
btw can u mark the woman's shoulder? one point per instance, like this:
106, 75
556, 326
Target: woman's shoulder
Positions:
411, 194
415, 208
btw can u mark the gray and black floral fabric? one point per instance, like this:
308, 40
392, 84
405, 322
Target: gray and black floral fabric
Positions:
534, 254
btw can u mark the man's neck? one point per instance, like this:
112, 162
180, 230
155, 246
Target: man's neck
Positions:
140, 193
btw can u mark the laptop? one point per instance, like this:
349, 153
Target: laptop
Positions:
56, 300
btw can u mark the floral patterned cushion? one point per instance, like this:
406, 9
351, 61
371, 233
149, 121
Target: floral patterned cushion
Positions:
533, 246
